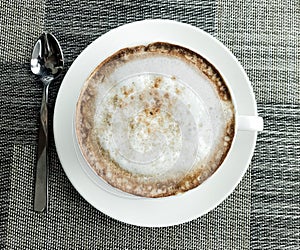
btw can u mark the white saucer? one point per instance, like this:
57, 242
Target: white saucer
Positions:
172, 210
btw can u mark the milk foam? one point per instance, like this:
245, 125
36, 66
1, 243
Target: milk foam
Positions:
159, 116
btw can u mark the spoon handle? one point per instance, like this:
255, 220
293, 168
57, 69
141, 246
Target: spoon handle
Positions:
41, 179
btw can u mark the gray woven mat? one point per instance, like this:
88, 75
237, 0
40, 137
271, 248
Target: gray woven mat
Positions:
262, 213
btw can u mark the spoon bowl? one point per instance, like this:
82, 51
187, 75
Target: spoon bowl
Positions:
47, 59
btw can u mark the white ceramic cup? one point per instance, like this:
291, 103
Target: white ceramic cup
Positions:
242, 123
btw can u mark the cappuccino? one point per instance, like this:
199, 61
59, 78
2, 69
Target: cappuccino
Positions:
155, 120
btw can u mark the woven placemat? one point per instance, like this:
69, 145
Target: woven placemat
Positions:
262, 213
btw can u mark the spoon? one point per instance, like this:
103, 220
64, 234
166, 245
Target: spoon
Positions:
47, 62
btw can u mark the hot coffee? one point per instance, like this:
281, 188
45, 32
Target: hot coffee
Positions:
155, 120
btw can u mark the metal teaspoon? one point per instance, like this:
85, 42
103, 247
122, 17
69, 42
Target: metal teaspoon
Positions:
47, 62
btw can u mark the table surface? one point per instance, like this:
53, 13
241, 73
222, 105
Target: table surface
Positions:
263, 211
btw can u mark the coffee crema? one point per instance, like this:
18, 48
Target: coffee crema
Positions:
155, 120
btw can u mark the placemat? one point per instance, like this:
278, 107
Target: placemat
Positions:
263, 211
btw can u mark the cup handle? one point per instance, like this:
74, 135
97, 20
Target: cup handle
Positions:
250, 123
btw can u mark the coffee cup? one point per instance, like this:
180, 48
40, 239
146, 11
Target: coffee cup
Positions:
157, 120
